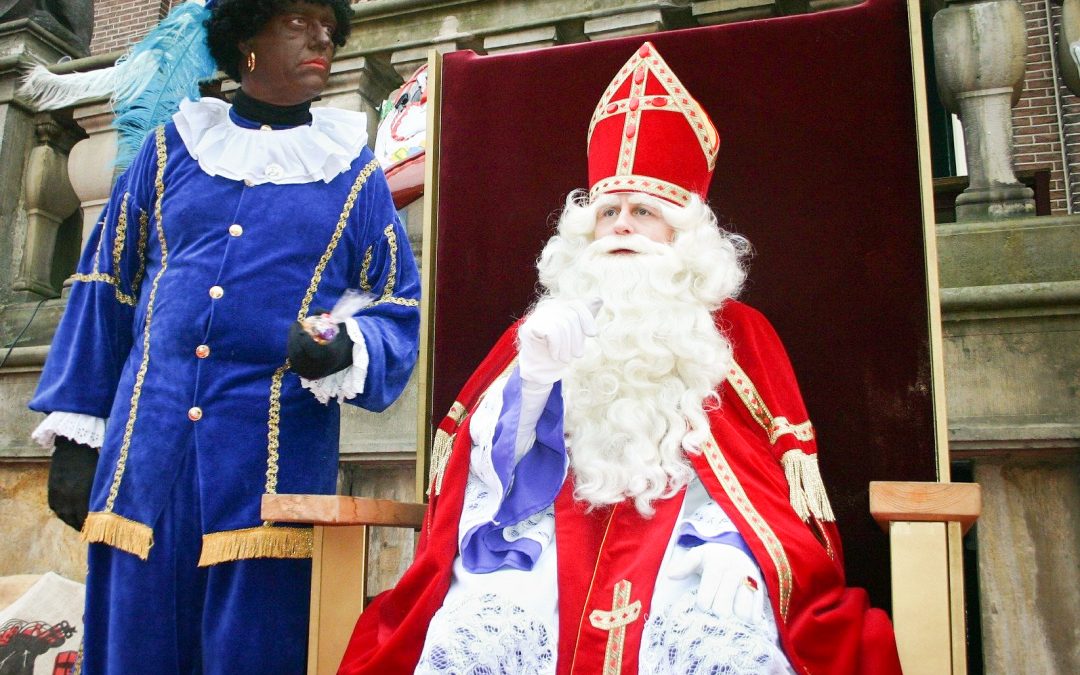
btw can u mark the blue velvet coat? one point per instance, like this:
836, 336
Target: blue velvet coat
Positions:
166, 271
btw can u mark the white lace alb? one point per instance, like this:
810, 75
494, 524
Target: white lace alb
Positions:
686, 639
487, 635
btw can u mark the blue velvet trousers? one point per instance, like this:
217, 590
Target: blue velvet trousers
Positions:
167, 615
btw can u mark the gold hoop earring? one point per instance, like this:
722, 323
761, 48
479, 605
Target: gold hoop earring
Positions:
251, 62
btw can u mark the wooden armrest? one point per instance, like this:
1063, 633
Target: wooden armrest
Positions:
935, 502
340, 510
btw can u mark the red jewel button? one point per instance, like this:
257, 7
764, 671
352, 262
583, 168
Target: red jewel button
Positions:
644, 51
659, 101
634, 103
612, 108
631, 129
639, 75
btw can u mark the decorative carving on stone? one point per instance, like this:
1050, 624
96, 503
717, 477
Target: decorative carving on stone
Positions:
66, 18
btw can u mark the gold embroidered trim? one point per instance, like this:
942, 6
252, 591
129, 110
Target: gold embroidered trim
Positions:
806, 489
706, 134
273, 421
365, 269
121, 297
735, 492
781, 427
140, 376
391, 276
775, 427
404, 302
623, 613
121, 234
457, 412
255, 542
102, 527
638, 183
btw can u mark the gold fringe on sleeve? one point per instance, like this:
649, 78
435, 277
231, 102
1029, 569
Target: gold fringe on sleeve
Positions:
105, 527
255, 542
806, 490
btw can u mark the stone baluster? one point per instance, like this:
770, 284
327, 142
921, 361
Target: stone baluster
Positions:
49, 200
979, 50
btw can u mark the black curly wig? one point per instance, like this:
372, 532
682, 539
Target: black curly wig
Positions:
233, 21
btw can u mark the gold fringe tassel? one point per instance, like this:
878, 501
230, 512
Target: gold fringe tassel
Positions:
105, 527
255, 542
805, 487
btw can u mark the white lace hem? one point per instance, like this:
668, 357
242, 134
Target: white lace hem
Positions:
481, 635
85, 429
686, 639
302, 154
348, 383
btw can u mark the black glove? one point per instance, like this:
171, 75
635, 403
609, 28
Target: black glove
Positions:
313, 361
70, 478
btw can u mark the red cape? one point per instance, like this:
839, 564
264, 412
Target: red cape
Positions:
824, 626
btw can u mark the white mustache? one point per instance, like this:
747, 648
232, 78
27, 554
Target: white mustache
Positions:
626, 242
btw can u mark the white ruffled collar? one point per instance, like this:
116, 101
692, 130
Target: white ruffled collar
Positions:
303, 154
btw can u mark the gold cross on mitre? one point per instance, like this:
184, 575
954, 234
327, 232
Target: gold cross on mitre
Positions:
623, 612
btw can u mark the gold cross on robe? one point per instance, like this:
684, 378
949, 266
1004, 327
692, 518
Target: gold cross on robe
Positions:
623, 612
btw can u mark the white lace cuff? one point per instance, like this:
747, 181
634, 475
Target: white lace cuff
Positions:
85, 429
344, 384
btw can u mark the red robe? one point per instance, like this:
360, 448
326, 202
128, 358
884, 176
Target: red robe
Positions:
759, 430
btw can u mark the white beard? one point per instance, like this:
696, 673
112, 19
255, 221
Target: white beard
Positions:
635, 402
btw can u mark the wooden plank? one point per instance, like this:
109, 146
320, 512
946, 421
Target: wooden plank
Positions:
338, 587
921, 601
935, 502
341, 510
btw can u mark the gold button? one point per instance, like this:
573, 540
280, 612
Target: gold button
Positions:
236, 230
248, 182
266, 127
216, 292
194, 413
202, 351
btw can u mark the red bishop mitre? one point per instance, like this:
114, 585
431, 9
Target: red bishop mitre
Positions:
649, 135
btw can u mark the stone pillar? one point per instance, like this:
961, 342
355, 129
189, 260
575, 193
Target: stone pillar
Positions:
979, 49
406, 61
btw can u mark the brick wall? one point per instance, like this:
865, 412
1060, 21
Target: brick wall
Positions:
1037, 122
120, 23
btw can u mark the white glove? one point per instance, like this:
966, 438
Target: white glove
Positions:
731, 582
552, 337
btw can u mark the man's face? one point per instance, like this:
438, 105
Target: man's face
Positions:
629, 213
293, 51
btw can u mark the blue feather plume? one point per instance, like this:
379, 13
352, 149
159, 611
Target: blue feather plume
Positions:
161, 70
